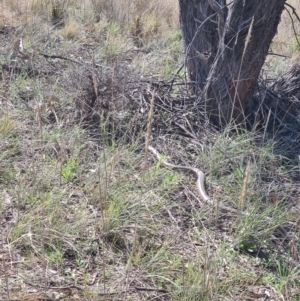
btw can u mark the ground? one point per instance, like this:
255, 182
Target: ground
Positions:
86, 213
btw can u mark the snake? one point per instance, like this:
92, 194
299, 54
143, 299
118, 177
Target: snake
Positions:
197, 172
200, 178
200, 183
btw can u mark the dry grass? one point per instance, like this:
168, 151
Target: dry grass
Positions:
285, 42
82, 216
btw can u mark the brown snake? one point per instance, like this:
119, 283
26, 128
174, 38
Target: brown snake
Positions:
201, 188
197, 172
199, 182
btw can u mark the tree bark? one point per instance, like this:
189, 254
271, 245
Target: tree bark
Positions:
226, 46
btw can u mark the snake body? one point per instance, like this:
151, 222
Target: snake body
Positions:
199, 182
201, 188
197, 172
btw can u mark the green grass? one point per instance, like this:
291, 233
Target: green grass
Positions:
83, 207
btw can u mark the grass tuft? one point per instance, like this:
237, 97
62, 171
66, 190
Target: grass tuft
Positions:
71, 30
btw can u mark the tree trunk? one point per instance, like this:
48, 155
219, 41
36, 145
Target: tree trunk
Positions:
226, 46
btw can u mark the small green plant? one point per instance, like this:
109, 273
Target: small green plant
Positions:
56, 258
69, 170
114, 28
